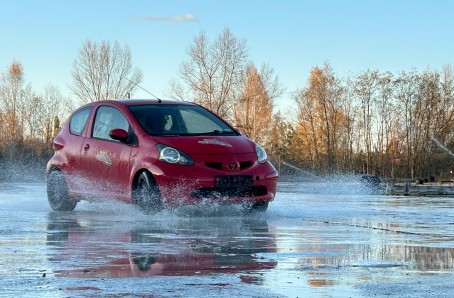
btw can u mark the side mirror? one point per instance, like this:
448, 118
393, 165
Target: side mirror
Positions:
119, 135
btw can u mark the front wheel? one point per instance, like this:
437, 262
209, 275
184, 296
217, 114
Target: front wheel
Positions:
57, 193
146, 193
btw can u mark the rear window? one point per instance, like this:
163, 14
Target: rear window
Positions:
78, 121
162, 120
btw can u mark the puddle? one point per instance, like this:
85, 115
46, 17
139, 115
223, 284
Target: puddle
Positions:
306, 244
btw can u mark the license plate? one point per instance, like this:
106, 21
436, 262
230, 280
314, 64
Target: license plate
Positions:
234, 181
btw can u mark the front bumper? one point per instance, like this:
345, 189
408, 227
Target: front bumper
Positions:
182, 185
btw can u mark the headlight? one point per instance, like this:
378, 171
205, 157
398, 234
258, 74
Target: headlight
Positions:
261, 154
174, 156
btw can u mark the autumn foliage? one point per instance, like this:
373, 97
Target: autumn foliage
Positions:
375, 123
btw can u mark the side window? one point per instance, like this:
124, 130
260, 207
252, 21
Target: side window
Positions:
108, 118
78, 121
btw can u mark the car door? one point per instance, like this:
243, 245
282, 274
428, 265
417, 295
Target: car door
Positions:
73, 144
107, 161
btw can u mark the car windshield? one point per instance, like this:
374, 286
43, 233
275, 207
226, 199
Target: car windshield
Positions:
179, 120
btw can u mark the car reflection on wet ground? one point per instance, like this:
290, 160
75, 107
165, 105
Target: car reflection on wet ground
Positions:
316, 239
185, 247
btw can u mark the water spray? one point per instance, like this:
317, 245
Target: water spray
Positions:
300, 170
441, 146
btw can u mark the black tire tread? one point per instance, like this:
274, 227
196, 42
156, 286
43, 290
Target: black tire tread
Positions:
57, 192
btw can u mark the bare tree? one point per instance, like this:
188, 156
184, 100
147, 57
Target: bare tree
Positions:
366, 89
55, 110
405, 89
104, 71
212, 76
385, 121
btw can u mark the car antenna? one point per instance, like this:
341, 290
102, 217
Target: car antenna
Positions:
143, 89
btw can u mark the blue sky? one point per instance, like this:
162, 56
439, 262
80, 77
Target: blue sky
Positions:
289, 35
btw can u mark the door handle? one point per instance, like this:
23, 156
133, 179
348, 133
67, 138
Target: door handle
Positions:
87, 146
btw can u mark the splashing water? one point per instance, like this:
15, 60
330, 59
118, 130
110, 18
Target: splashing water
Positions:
301, 170
333, 184
441, 146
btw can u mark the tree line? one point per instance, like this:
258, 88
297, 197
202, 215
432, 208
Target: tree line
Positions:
373, 122
391, 125
28, 121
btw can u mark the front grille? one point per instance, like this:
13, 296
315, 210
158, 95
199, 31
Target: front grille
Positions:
245, 164
219, 166
214, 165
229, 192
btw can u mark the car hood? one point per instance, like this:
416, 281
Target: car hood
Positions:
209, 144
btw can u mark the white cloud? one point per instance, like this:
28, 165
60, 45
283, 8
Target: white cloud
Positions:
189, 17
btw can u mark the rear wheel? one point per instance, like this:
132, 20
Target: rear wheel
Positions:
57, 193
254, 207
146, 193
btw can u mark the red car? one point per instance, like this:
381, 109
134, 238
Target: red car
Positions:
156, 153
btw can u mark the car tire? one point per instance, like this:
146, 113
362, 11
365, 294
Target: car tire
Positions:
57, 192
146, 194
255, 207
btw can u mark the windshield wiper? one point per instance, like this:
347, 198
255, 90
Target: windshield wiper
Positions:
216, 133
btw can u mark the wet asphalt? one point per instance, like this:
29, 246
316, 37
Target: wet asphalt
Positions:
327, 239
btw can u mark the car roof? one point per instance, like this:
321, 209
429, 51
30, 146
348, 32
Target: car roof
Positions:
138, 102
135, 102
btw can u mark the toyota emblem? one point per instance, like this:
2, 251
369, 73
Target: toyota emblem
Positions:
233, 166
